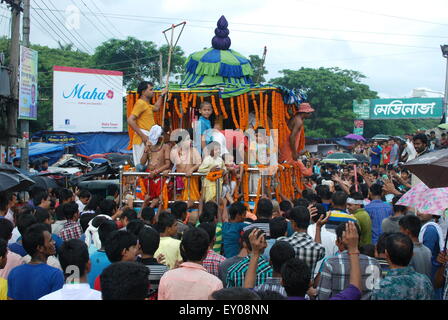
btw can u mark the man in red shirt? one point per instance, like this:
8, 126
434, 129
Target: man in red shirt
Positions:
386, 152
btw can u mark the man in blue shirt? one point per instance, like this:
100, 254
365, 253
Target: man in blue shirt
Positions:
377, 210
33, 280
375, 154
231, 231
99, 259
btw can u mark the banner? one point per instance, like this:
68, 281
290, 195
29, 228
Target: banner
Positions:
361, 108
409, 108
28, 84
358, 127
87, 100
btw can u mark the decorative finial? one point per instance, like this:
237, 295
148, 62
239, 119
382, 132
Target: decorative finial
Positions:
221, 40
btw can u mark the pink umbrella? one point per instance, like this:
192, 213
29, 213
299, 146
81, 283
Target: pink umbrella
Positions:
426, 200
354, 137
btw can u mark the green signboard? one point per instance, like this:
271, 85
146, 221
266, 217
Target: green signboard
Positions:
409, 108
361, 108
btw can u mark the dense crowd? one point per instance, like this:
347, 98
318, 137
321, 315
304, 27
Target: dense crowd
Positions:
342, 238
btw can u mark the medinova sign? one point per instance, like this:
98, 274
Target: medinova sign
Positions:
409, 108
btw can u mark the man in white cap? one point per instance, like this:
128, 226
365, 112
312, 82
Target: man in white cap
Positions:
156, 158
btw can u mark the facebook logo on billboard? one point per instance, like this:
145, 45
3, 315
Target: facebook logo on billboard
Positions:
67, 122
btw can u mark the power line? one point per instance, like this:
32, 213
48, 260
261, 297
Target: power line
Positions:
318, 38
378, 14
114, 15
353, 58
106, 64
95, 26
290, 35
104, 80
107, 19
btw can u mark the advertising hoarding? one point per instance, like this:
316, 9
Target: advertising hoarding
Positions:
87, 100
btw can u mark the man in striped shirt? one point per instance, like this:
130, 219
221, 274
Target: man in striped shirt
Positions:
149, 240
237, 272
305, 247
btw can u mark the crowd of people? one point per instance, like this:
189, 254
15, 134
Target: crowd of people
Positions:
341, 236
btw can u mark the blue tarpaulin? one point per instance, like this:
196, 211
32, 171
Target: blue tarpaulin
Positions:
88, 143
49, 150
91, 143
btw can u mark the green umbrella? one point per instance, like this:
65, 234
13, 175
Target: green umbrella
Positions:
443, 126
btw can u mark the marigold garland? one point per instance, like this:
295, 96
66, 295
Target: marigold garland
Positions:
195, 96
232, 108
223, 108
165, 196
215, 109
254, 102
214, 175
246, 102
176, 108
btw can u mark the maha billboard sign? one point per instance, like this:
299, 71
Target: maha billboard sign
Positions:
87, 100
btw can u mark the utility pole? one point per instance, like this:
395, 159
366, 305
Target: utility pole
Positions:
14, 53
24, 124
445, 97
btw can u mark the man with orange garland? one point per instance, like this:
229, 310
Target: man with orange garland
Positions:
294, 146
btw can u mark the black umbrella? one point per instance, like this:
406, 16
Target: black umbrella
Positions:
431, 168
14, 182
8, 168
44, 182
361, 158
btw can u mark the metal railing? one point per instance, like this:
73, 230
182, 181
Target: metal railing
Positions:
182, 174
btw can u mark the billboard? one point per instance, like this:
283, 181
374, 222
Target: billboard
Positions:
409, 108
28, 84
87, 100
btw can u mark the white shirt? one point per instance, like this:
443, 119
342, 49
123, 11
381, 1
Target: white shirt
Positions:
81, 291
328, 241
15, 236
410, 150
81, 205
10, 216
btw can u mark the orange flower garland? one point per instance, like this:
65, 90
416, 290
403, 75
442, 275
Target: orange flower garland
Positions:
176, 108
223, 108
215, 109
214, 175
195, 96
254, 102
232, 108
165, 196
246, 103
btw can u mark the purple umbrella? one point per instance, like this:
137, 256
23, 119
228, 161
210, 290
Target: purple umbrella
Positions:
354, 137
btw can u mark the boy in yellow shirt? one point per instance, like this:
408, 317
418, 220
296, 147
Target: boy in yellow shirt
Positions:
3, 260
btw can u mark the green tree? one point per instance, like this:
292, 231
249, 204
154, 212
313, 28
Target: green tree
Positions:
138, 60
47, 59
259, 69
331, 92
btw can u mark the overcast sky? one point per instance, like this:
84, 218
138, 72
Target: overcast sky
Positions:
394, 43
